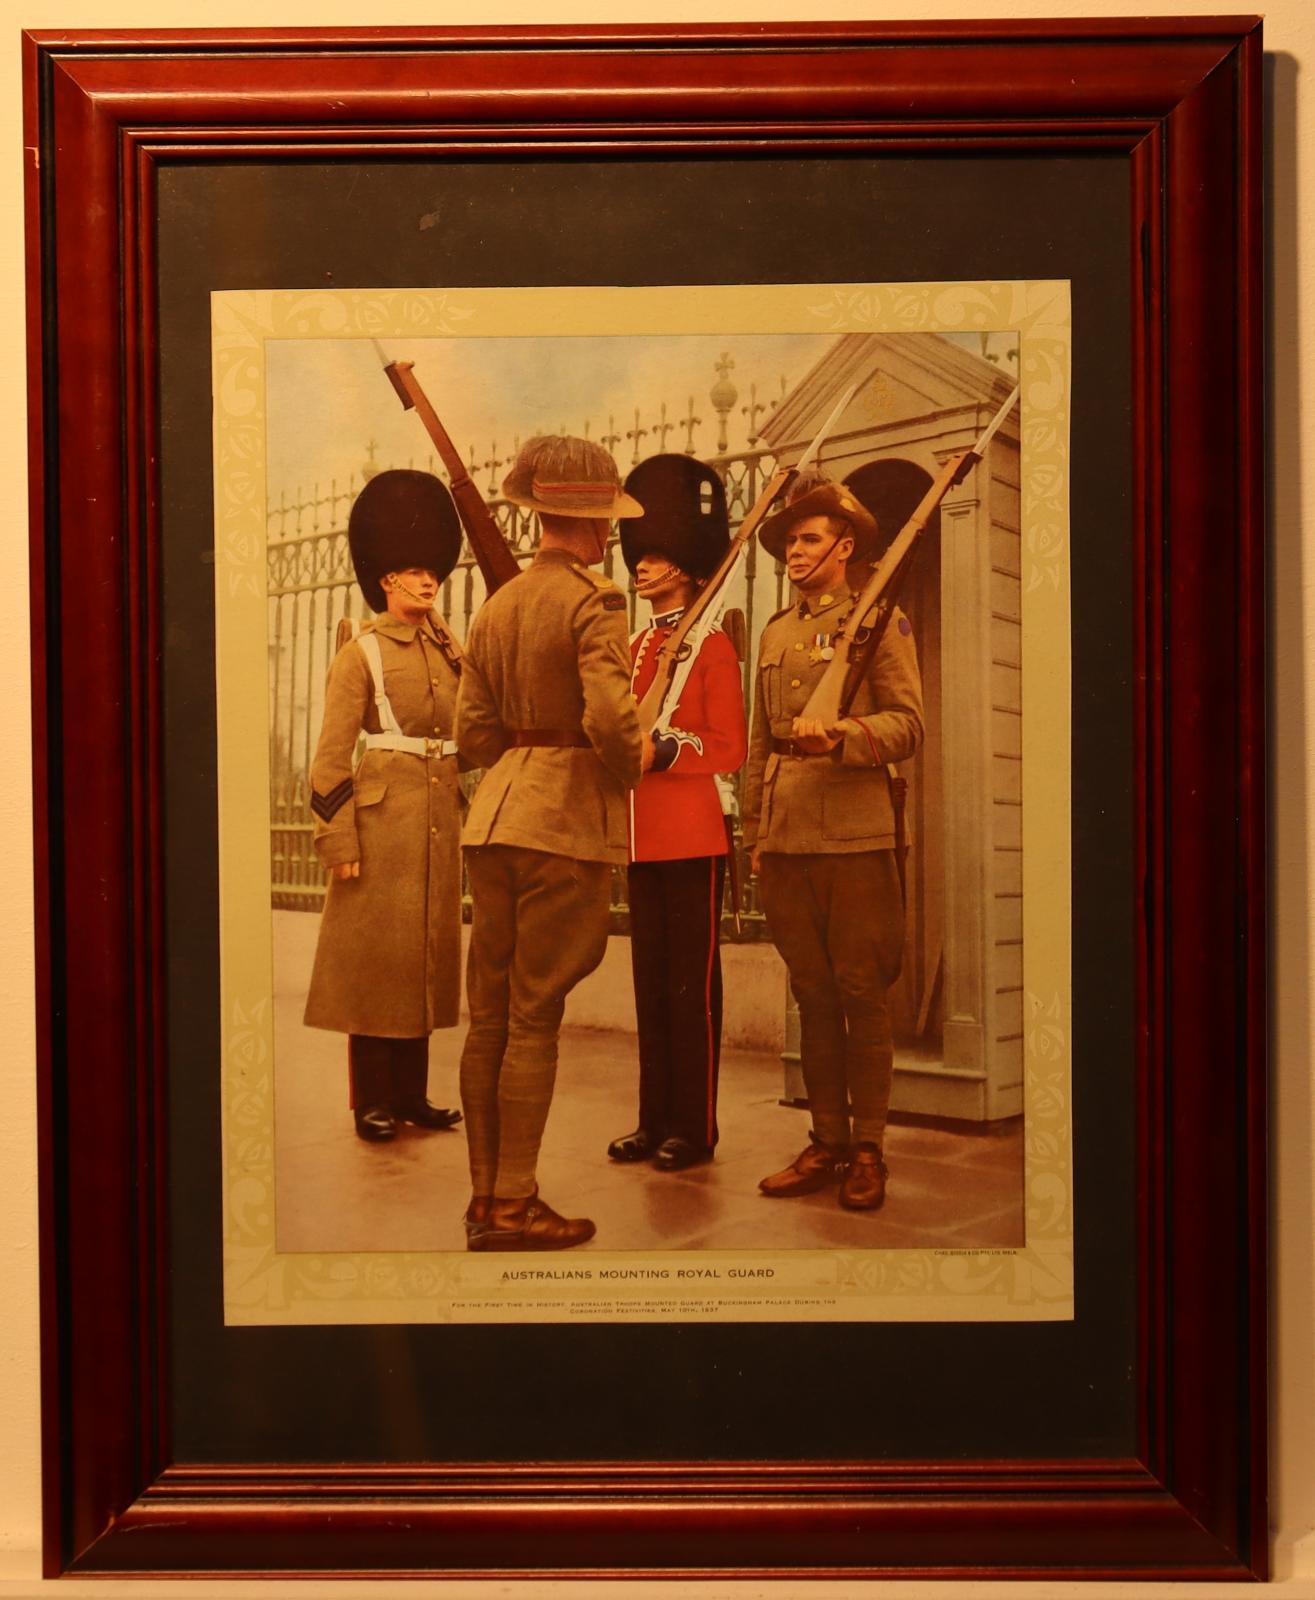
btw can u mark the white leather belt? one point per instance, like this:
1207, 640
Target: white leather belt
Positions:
429, 748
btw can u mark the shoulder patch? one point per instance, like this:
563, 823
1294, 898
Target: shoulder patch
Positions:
598, 579
905, 626
615, 601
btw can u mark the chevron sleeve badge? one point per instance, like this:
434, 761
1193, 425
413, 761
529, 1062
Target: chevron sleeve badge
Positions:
327, 806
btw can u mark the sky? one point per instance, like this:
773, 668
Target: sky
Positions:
328, 400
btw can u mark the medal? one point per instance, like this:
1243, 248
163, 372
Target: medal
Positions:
822, 649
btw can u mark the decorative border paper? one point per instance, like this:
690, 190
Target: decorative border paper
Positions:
263, 1286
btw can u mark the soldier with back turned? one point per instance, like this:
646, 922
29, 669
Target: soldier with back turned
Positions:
545, 705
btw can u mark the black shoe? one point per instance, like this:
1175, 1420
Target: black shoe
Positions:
674, 1155
418, 1111
375, 1123
636, 1146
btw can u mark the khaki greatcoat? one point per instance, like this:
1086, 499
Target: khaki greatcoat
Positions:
388, 961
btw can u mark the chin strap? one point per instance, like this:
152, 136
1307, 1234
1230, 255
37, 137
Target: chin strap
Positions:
821, 558
671, 570
392, 579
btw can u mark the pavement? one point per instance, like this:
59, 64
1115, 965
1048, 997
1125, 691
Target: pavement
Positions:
948, 1187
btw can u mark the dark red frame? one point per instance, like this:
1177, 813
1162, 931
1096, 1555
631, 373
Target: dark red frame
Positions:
1181, 100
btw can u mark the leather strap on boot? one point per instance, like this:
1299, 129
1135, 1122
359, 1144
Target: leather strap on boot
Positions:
812, 1169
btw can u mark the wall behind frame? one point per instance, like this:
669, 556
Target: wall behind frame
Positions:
1290, 40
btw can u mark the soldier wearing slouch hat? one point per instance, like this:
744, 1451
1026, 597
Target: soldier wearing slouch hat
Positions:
545, 707
818, 809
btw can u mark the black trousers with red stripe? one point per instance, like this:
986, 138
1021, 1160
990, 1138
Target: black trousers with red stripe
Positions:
675, 919
384, 1072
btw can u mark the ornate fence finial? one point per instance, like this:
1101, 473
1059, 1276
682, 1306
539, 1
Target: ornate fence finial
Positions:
663, 427
611, 438
371, 467
493, 463
723, 395
636, 433
689, 422
751, 412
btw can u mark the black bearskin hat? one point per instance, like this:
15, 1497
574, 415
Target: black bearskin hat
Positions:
684, 518
402, 519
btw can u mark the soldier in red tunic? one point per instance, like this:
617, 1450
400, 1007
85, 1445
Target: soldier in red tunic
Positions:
678, 836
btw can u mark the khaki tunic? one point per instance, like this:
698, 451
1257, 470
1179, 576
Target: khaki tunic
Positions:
547, 652
550, 651
826, 829
838, 803
388, 961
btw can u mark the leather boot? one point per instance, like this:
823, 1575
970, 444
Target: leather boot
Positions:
636, 1146
864, 1186
812, 1169
675, 1154
375, 1123
417, 1110
529, 1223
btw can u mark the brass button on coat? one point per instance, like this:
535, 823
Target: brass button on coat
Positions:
841, 804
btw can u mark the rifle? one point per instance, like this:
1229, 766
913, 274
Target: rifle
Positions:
490, 549
856, 643
729, 811
675, 656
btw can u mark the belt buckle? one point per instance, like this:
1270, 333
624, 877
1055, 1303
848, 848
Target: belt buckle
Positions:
434, 749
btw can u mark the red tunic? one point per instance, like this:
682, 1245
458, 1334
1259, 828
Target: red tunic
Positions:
676, 814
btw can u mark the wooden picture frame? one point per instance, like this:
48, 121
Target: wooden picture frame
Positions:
1178, 105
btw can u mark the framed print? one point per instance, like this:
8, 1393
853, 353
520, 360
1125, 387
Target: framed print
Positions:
271, 1344
313, 1231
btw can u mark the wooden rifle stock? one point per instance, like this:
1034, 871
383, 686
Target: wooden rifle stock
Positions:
491, 551
669, 652
856, 642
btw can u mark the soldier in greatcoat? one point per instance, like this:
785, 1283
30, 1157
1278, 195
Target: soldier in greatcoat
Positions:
818, 807
387, 825
545, 706
679, 841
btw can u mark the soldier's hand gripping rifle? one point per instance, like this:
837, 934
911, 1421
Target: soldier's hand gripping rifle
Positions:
857, 640
490, 549
675, 656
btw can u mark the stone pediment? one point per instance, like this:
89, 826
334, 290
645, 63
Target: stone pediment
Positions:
903, 376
